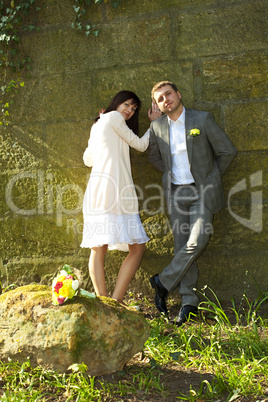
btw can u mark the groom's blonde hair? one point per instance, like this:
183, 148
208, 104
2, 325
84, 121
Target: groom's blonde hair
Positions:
161, 84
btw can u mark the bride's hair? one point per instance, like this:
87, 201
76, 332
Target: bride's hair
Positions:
118, 99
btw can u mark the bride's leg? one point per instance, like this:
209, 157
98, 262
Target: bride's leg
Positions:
128, 270
96, 269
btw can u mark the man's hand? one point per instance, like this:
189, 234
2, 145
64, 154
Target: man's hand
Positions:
154, 113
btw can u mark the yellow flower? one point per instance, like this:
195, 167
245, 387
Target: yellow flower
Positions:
194, 132
67, 290
55, 298
65, 286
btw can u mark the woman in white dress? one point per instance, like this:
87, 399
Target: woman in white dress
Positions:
110, 207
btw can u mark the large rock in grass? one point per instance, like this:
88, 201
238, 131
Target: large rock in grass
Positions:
98, 332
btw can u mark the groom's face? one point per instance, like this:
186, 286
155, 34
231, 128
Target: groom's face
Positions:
168, 100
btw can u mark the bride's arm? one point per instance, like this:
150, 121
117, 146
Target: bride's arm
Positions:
119, 125
88, 154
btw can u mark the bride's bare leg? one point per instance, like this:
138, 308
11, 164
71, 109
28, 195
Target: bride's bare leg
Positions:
128, 270
96, 269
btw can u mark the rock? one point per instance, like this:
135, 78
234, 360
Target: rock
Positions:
98, 332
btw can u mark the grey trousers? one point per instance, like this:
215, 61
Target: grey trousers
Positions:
191, 224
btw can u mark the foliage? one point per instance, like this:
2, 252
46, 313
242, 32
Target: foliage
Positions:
13, 25
13, 62
81, 8
6, 289
229, 345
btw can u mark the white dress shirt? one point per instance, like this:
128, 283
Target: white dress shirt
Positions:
181, 173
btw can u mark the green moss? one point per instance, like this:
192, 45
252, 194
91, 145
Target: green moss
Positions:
19, 292
98, 331
32, 293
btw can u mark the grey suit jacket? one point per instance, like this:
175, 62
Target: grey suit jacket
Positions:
209, 153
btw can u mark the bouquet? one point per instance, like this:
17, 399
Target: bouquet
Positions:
65, 286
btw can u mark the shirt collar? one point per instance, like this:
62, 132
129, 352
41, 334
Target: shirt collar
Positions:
181, 118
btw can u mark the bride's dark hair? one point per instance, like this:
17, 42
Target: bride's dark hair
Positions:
118, 99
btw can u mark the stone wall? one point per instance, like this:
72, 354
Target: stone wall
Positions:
215, 50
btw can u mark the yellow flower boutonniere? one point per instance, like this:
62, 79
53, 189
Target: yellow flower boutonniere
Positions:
194, 132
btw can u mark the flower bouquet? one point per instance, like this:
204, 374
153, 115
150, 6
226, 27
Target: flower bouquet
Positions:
65, 286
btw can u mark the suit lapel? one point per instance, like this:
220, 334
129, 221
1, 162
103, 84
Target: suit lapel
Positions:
165, 130
189, 124
166, 139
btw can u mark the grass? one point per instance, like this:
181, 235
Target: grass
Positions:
236, 354
220, 356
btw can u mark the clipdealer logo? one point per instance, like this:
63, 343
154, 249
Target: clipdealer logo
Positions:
46, 194
255, 222
50, 198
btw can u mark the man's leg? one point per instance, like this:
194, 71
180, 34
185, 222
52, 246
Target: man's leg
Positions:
187, 286
187, 209
180, 223
200, 225
190, 221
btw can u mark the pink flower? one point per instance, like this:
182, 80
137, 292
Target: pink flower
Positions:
61, 299
69, 277
58, 286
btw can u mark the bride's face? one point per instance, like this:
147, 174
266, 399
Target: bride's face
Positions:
127, 109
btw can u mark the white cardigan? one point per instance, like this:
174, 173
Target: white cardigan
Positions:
110, 188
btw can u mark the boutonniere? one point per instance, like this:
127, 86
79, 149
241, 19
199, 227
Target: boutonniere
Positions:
194, 132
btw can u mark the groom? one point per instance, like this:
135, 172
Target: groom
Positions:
193, 152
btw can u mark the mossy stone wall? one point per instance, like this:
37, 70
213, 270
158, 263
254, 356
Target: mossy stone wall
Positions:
216, 52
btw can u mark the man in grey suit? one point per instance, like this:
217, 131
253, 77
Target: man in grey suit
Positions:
193, 152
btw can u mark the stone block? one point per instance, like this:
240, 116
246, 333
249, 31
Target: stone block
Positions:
22, 270
246, 123
38, 208
51, 55
57, 47
66, 142
222, 30
231, 276
51, 13
235, 77
53, 98
141, 80
20, 147
148, 187
241, 225
98, 332
36, 236
20, 192
45, 192
148, 7
130, 41
11, 240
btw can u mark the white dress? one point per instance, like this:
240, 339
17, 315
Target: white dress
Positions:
110, 207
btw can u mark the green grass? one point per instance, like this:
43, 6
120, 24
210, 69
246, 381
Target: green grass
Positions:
235, 354
227, 350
